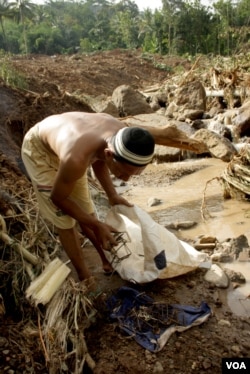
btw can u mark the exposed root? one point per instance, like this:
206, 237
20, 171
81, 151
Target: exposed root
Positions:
204, 209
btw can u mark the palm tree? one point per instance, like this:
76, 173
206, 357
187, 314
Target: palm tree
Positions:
5, 12
24, 9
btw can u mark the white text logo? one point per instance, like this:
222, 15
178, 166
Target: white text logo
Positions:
236, 365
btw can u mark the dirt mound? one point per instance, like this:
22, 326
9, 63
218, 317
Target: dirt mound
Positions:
96, 74
50, 85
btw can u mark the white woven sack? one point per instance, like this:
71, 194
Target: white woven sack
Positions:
151, 251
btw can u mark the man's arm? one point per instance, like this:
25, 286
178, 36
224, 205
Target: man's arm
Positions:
103, 175
67, 175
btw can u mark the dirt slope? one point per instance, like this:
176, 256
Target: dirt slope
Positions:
49, 82
96, 74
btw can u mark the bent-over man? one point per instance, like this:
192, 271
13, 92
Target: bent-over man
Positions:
57, 153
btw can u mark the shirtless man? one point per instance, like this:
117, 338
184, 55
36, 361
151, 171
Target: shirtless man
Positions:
57, 153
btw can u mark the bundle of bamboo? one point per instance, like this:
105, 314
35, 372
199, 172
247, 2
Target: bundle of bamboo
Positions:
236, 176
68, 314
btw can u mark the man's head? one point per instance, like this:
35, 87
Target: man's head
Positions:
132, 150
134, 146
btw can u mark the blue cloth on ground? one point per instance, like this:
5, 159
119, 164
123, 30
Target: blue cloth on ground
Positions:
151, 323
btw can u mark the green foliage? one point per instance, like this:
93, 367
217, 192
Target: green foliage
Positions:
86, 46
163, 67
179, 27
147, 57
45, 40
10, 75
150, 45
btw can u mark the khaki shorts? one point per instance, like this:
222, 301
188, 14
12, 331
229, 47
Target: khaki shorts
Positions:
42, 167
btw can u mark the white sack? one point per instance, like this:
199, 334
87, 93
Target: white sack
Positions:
152, 251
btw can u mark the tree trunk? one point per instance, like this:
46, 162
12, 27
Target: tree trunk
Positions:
170, 136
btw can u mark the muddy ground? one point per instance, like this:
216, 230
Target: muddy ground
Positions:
197, 350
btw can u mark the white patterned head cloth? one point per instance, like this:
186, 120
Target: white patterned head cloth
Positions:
134, 145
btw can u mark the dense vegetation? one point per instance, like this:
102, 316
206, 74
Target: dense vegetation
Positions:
178, 27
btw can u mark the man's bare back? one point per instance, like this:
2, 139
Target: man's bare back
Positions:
73, 132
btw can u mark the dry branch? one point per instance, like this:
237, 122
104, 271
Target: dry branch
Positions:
34, 260
189, 73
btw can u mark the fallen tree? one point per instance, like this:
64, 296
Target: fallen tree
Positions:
170, 136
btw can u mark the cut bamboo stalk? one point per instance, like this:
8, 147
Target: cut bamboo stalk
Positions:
43, 288
220, 93
40, 281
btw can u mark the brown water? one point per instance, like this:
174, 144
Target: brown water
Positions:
238, 299
182, 201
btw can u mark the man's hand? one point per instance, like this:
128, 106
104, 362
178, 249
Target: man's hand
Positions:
117, 199
105, 235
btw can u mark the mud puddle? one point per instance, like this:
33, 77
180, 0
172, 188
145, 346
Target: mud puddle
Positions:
239, 299
191, 199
